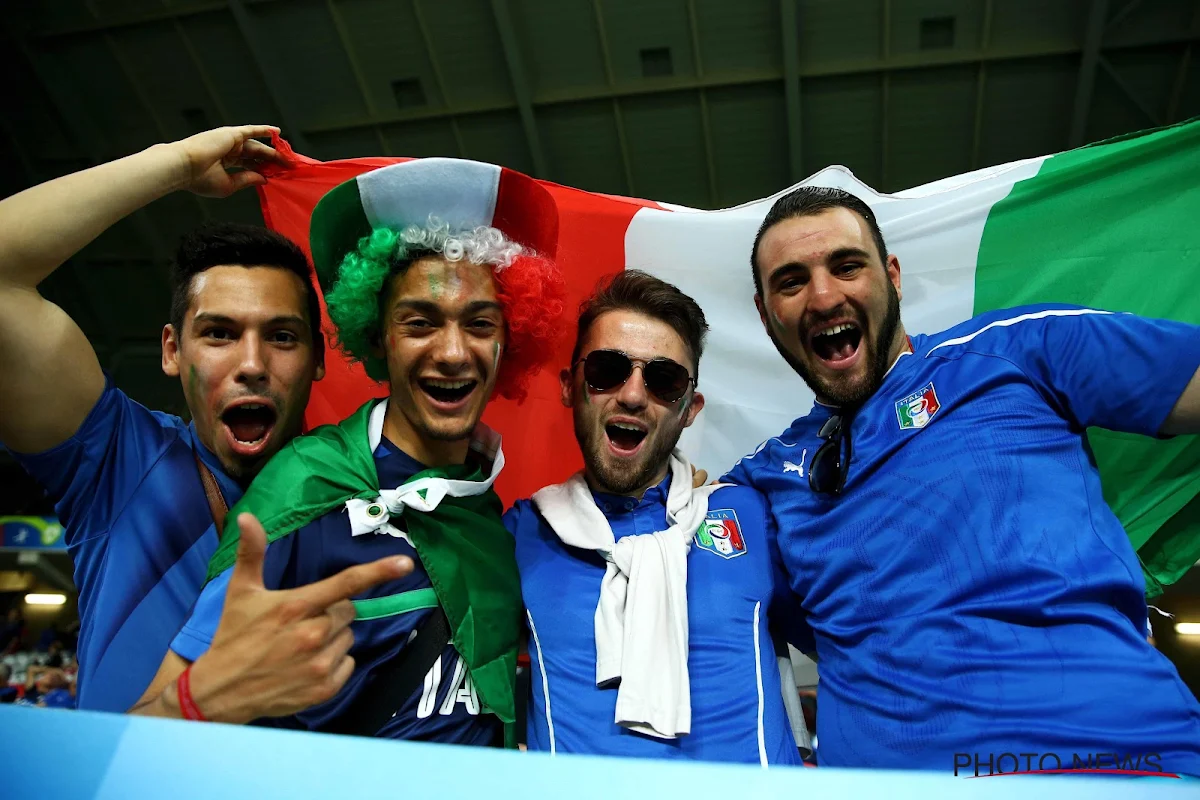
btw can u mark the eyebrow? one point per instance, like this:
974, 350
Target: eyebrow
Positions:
221, 319
433, 309
836, 255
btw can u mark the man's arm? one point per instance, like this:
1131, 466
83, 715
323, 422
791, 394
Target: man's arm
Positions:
1185, 416
51, 375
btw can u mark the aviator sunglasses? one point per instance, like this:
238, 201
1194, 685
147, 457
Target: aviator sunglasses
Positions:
829, 468
604, 370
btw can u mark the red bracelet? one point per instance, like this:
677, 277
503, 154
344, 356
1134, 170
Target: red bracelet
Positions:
187, 705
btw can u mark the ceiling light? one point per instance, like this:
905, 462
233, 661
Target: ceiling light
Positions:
1187, 628
55, 599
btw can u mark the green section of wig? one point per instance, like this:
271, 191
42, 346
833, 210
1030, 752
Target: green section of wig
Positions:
354, 301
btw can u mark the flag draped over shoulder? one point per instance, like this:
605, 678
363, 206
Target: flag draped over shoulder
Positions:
1112, 225
464, 549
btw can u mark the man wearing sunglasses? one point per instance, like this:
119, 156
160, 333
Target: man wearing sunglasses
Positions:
970, 593
650, 602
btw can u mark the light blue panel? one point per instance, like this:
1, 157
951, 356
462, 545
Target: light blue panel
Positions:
50, 754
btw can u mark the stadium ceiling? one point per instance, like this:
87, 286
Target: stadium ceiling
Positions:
705, 103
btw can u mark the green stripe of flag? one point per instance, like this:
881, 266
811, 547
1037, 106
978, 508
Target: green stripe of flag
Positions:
1115, 226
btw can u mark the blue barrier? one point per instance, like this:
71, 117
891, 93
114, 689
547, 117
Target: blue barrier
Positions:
83, 755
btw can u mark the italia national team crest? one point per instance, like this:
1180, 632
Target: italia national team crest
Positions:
720, 533
918, 408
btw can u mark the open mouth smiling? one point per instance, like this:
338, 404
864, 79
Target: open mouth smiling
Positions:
447, 393
248, 425
837, 344
625, 436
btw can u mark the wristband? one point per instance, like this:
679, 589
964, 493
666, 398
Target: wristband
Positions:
187, 705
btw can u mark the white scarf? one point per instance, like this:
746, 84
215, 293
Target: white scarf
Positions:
373, 516
642, 616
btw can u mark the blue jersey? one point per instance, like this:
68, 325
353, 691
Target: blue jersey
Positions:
735, 587
140, 532
446, 708
970, 591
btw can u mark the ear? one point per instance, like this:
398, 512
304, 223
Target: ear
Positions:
170, 352
694, 409
762, 311
568, 388
893, 273
319, 351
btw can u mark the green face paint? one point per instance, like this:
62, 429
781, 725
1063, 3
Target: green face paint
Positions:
435, 286
193, 383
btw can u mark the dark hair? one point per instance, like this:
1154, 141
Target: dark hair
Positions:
634, 290
807, 201
233, 244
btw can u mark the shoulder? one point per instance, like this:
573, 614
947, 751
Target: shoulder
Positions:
742, 498
769, 451
520, 516
1005, 330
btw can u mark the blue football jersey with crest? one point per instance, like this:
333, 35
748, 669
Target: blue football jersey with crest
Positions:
970, 591
735, 590
446, 708
139, 530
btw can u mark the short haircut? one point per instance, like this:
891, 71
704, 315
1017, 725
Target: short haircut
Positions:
807, 201
231, 244
634, 290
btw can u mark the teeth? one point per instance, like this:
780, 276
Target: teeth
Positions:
253, 406
443, 384
845, 326
625, 426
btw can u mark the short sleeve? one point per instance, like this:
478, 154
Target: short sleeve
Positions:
1122, 372
739, 474
194, 639
92, 474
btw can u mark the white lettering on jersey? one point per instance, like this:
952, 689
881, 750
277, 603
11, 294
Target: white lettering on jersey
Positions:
433, 679
462, 690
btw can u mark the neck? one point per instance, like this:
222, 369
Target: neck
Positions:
596, 485
430, 452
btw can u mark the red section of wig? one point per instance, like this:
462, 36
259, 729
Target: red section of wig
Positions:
532, 293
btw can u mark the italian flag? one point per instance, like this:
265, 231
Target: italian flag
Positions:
1115, 225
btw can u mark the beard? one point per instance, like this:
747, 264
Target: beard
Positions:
850, 393
629, 477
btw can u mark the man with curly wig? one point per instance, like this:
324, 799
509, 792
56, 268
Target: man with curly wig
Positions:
440, 279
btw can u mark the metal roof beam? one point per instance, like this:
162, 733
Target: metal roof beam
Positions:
114, 22
339, 23
269, 74
618, 118
791, 87
520, 84
758, 77
1149, 113
705, 124
985, 41
1097, 14
437, 77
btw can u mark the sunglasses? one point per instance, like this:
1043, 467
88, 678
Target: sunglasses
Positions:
604, 370
829, 468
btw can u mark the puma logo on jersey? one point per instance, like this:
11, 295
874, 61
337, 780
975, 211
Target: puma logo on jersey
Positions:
796, 468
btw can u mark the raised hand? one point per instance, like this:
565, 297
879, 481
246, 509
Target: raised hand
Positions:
207, 158
280, 652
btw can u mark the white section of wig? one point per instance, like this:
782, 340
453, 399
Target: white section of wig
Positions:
483, 245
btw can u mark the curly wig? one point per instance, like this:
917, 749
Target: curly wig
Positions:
529, 287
